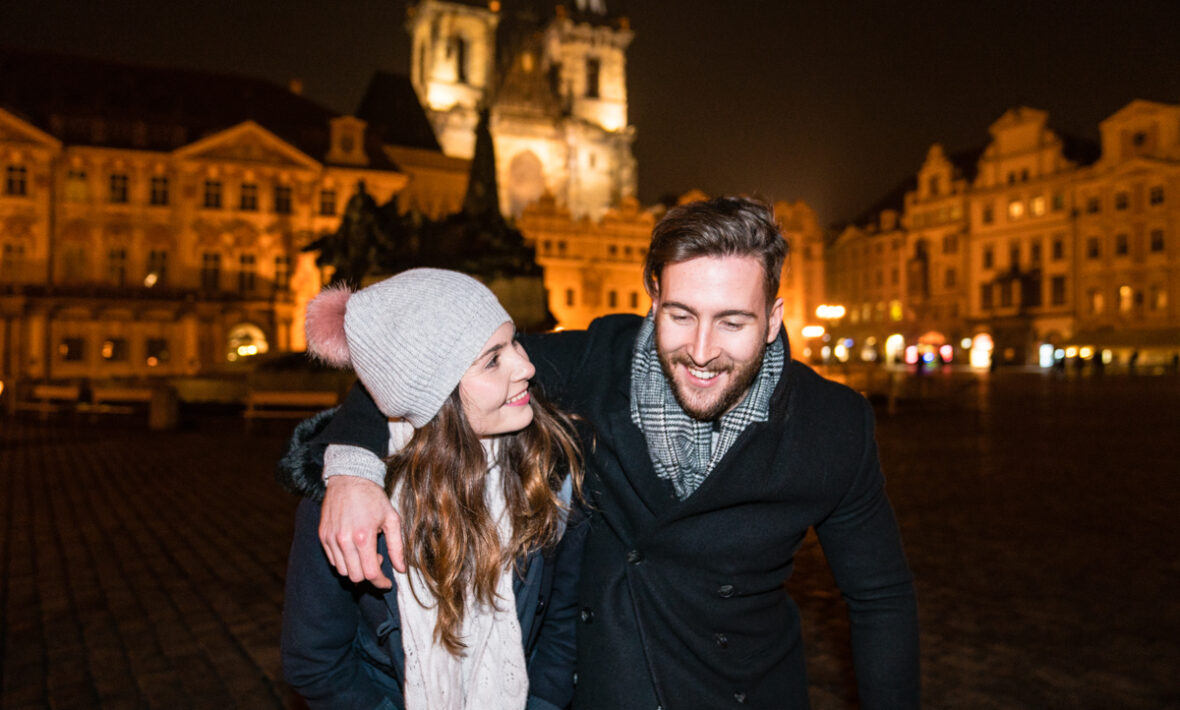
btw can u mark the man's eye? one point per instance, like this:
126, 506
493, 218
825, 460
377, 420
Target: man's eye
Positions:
678, 318
730, 325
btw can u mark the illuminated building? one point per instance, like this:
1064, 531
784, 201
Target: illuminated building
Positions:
556, 88
1038, 244
152, 220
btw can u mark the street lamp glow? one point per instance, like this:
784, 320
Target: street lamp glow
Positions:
828, 312
813, 331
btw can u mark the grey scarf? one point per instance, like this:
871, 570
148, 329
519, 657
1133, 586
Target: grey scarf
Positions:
683, 449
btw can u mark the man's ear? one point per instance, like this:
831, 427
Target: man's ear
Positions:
653, 292
775, 322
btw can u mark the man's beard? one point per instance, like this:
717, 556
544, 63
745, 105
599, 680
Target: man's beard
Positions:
742, 375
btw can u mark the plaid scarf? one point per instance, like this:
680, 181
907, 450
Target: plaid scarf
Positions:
682, 449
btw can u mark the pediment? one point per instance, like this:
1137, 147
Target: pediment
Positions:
1137, 109
15, 130
247, 143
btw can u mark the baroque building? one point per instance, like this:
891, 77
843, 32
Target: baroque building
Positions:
1037, 248
554, 81
152, 220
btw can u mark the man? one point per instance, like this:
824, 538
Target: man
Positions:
713, 453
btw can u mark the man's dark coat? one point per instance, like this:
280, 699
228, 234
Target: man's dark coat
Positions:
682, 602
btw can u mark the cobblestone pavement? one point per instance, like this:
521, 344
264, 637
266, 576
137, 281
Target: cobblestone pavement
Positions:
145, 569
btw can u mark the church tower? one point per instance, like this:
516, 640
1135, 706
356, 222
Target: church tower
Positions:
453, 47
554, 79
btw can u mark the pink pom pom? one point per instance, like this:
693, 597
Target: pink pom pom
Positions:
324, 325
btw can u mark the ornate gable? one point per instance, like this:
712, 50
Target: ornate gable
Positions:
248, 143
16, 131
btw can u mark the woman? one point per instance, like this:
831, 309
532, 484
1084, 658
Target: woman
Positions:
482, 472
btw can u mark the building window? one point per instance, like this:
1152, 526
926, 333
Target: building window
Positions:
246, 265
73, 260
156, 351
989, 258
1015, 209
561, 247
593, 69
1058, 202
114, 350
951, 278
1006, 294
248, 201
1058, 249
282, 199
327, 202
934, 184
1126, 299
1014, 256
282, 273
14, 262
1057, 291
1093, 205
1036, 206
612, 299
117, 194
635, 299
1034, 253
569, 297
1159, 298
16, 181
157, 271
159, 191
985, 295
894, 277
988, 215
1157, 241
613, 250
950, 244
212, 194
1093, 248
77, 189
1097, 302
458, 49
72, 349
117, 266
1121, 245
1156, 195
211, 271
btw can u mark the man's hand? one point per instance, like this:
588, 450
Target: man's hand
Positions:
353, 513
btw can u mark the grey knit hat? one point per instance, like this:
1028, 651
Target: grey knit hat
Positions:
410, 338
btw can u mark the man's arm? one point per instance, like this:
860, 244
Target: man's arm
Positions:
863, 546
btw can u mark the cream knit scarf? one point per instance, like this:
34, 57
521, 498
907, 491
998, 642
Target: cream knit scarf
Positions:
491, 672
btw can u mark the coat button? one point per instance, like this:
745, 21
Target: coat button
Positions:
725, 591
740, 697
587, 615
722, 640
634, 557
540, 605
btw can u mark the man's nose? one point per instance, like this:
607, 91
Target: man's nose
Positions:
702, 349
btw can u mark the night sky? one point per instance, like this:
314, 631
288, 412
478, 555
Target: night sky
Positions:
829, 102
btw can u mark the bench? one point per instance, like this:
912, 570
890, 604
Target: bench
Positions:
287, 404
111, 399
45, 399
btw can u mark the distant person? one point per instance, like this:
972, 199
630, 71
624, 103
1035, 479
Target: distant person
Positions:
712, 455
1133, 362
482, 472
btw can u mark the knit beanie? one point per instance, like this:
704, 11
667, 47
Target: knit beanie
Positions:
410, 338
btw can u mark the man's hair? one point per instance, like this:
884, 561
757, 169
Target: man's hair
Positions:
723, 226
449, 533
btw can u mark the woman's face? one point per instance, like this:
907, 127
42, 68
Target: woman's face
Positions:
495, 390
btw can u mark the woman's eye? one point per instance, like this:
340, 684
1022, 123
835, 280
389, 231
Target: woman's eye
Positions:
493, 361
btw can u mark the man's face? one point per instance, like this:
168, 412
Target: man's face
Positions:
712, 328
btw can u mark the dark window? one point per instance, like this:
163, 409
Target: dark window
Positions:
569, 297
1058, 249
282, 199
459, 51
16, 181
1014, 256
117, 266
951, 278
14, 261
118, 189
210, 271
157, 271
159, 191
1030, 294
1006, 294
212, 194
327, 202
593, 69
1057, 291
1156, 195
249, 197
1034, 253
156, 351
635, 299
1058, 201
1157, 240
989, 215
72, 349
989, 258
1121, 246
1093, 205
282, 272
114, 350
246, 273
1093, 248
985, 295
612, 299
1121, 200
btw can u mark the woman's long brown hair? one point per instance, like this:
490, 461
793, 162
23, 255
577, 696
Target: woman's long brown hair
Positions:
449, 534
